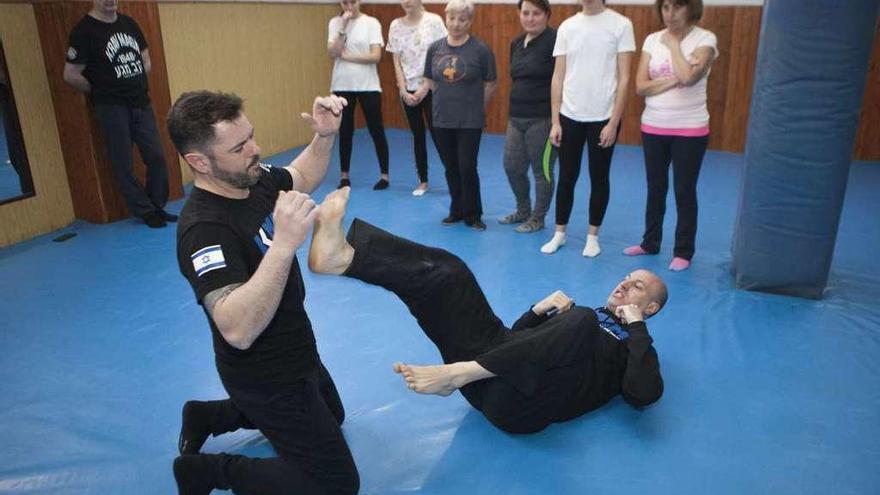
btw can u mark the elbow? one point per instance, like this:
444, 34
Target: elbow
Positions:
644, 396
239, 342
689, 81
235, 337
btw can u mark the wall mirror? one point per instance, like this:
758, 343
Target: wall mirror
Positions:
15, 173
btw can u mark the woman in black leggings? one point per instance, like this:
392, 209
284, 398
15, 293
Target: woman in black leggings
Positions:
593, 54
355, 43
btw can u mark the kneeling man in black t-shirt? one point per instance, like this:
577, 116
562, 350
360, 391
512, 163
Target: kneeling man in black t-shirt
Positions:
236, 245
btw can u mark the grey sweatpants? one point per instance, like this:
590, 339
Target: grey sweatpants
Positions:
524, 146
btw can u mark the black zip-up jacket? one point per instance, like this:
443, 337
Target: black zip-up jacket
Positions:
590, 366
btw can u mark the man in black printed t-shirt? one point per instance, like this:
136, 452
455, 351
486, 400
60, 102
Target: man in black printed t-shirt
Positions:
236, 245
108, 59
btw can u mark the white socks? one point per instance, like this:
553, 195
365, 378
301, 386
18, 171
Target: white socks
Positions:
592, 249
553, 244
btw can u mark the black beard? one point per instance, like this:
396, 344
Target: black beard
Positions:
238, 180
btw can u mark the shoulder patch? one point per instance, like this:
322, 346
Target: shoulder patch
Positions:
207, 259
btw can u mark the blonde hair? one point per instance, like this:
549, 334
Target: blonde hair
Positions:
466, 6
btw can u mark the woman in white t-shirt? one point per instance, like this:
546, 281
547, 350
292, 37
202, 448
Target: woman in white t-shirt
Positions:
355, 43
672, 76
593, 56
408, 40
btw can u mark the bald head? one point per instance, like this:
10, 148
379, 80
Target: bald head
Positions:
642, 288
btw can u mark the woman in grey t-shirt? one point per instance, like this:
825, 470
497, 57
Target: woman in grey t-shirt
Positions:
460, 69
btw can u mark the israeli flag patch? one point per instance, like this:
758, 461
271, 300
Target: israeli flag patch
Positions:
207, 259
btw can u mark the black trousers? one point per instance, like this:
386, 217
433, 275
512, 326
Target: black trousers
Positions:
302, 422
536, 368
123, 125
458, 150
371, 105
686, 155
414, 116
574, 136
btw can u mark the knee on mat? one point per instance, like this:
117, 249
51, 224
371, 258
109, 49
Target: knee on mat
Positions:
352, 484
345, 481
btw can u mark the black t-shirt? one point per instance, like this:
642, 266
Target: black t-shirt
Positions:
531, 69
111, 52
221, 241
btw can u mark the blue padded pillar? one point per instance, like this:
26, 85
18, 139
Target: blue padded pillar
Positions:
809, 81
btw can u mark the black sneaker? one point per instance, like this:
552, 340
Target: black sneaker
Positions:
343, 183
168, 217
196, 474
194, 427
153, 220
382, 184
477, 225
451, 219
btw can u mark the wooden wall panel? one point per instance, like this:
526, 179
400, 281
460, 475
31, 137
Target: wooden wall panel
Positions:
51, 207
94, 192
868, 137
729, 85
272, 55
738, 79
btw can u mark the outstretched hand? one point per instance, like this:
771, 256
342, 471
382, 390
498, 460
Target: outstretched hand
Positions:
326, 115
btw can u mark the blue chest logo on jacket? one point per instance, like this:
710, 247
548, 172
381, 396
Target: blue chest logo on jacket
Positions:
611, 326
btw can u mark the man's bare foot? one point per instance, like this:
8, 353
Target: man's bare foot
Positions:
437, 380
329, 252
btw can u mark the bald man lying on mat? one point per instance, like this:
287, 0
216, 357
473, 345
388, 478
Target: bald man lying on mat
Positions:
559, 360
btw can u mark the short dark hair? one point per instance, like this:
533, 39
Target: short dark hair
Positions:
543, 5
192, 118
695, 9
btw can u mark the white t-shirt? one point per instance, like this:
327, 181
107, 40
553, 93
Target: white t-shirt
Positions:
411, 43
361, 32
590, 44
681, 107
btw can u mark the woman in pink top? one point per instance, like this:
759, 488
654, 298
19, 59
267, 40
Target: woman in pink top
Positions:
672, 76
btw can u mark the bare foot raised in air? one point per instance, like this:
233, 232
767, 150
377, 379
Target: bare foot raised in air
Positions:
329, 252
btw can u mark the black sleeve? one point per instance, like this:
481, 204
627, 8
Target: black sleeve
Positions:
642, 383
529, 320
281, 178
512, 48
78, 46
551, 65
211, 256
138, 34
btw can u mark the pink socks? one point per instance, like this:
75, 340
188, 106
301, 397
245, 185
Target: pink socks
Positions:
679, 264
634, 251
